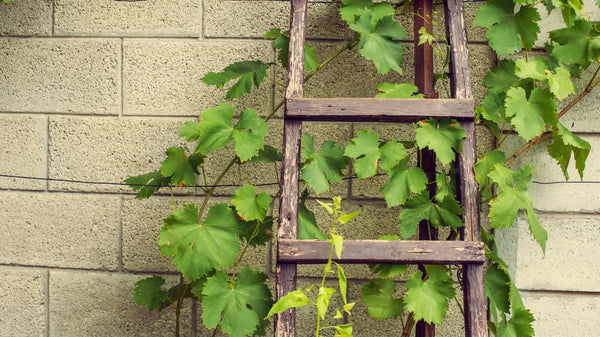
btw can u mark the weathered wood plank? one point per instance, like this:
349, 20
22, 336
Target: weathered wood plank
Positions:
474, 301
382, 251
460, 73
377, 109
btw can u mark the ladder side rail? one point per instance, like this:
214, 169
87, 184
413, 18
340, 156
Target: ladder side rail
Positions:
285, 322
460, 82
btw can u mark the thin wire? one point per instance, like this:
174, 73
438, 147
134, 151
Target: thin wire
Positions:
234, 185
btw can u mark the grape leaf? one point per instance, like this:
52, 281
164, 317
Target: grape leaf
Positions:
198, 248
147, 184
497, 287
519, 325
377, 297
502, 77
493, 107
486, 164
307, 223
388, 270
189, 131
565, 143
258, 233
180, 168
559, 80
429, 299
293, 299
418, 208
445, 188
268, 154
403, 182
249, 73
214, 129
444, 138
511, 197
149, 294
324, 166
369, 153
282, 45
530, 116
577, 44
239, 307
400, 90
508, 31
249, 134
249, 205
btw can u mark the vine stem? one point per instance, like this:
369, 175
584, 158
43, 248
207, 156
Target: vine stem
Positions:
593, 84
180, 294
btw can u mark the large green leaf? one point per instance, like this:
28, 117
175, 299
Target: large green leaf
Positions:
249, 205
248, 73
400, 90
148, 293
239, 306
531, 115
508, 31
199, 248
502, 77
577, 44
519, 325
180, 168
307, 223
565, 143
324, 166
429, 299
282, 45
559, 81
444, 138
420, 207
249, 134
147, 184
512, 196
497, 287
486, 164
403, 183
323, 299
377, 297
369, 153
293, 299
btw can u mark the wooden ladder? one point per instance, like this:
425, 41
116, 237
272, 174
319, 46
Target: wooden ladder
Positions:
469, 251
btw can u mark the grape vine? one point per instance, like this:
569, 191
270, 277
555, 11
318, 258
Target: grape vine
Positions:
522, 99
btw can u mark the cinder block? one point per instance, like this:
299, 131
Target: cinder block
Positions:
579, 118
24, 151
26, 17
24, 301
142, 221
72, 76
549, 190
101, 304
255, 18
162, 77
108, 150
128, 18
60, 230
564, 314
570, 253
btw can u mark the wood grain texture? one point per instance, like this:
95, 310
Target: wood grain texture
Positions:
460, 73
475, 301
382, 251
377, 109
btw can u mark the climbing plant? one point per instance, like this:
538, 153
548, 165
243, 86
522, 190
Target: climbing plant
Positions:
208, 241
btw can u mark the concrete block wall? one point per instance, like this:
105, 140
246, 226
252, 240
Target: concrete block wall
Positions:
95, 91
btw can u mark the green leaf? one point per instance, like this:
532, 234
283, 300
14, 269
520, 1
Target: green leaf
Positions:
258, 233
519, 325
559, 80
369, 153
338, 244
199, 248
249, 205
147, 184
565, 143
530, 116
445, 188
493, 107
560, 84
323, 300
343, 283
579, 44
400, 90
189, 131
512, 196
377, 297
403, 183
486, 164
322, 167
380, 41
344, 330
249, 73
429, 299
268, 155
249, 134
535, 69
281, 44
501, 78
307, 223
293, 299
240, 306
420, 208
180, 168
149, 294
215, 129
444, 138
508, 31
344, 218
497, 287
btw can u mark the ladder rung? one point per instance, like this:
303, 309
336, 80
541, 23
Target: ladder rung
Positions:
377, 109
382, 251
